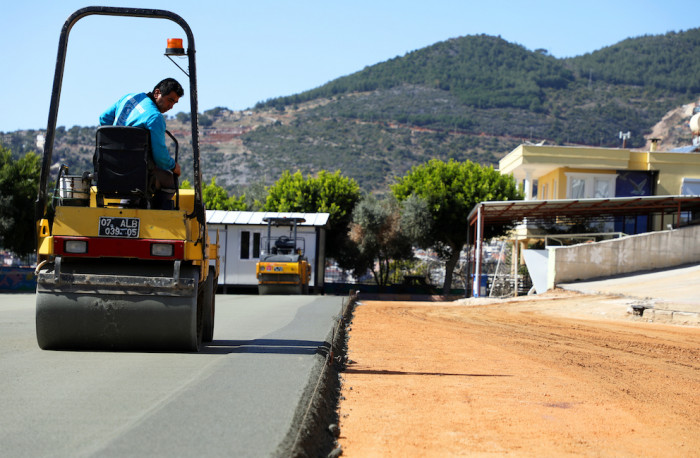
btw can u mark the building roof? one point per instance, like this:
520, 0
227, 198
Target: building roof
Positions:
686, 149
256, 218
538, 160
514, 211
534, 161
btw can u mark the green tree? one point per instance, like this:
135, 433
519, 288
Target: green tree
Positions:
376, 230
205, 121
451, 189
19, 181
326, 193
217, 198
256, 195
183, 117
416, 220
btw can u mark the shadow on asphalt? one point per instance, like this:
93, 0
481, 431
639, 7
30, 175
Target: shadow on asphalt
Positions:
264, 346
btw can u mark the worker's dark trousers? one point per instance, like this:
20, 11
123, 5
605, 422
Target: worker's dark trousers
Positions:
165, 189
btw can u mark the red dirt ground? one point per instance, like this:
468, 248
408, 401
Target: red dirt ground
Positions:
551, 376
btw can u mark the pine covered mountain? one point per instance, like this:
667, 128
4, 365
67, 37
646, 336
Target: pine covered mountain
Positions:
473, 97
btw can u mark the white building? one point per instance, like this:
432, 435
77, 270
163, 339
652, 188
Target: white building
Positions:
241, 235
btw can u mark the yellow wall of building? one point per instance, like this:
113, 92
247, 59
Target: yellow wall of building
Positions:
553, 185
511, 161
572, 156
638, 161
672, 169
548, 185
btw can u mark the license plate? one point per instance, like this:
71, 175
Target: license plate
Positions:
119, 227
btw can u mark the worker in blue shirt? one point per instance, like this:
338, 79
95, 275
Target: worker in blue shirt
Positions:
146, 110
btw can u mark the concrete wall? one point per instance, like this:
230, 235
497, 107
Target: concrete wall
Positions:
17, 279
653, 250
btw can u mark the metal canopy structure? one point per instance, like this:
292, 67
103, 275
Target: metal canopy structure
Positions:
514, 211
568, 211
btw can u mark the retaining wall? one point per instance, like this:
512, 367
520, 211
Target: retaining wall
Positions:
653, 250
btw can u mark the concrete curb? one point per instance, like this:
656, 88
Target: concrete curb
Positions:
315, 424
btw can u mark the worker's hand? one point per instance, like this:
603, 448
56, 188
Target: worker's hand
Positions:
176, 170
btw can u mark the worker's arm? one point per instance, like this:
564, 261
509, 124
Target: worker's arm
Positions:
161, 156
107, 117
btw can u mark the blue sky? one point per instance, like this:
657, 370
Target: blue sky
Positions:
255, 50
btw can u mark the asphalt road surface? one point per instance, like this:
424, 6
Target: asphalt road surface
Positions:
237, 397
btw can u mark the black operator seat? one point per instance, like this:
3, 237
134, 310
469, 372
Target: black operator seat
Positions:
123, 165
284, 245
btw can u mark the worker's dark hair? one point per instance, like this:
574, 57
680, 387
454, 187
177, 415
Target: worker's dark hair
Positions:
169, 85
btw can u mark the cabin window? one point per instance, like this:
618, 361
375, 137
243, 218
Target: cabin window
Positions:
256, 244
245, 245
250, 245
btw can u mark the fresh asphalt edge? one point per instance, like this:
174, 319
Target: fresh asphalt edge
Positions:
314, 429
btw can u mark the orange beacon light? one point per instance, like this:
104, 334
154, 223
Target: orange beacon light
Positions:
174, 47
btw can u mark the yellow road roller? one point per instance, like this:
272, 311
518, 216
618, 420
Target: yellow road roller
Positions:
113, 271
283, 267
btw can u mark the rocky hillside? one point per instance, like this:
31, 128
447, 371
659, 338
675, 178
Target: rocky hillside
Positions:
672, 130
474, 97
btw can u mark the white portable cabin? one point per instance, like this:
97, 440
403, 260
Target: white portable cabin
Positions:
241, 236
